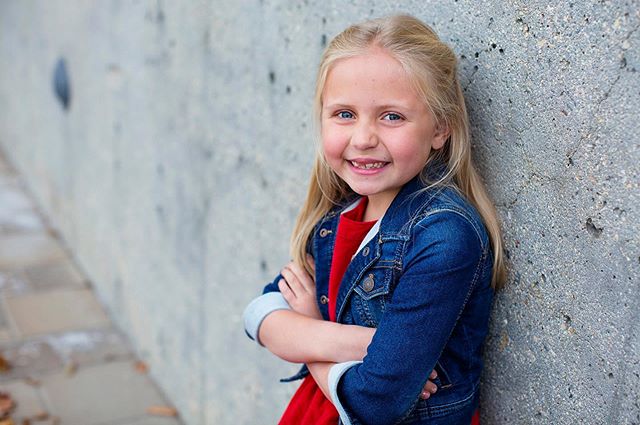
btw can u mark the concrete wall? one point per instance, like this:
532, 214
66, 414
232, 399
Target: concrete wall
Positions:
176, 173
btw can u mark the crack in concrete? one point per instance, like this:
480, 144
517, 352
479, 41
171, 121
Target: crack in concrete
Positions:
599, 102
534, 174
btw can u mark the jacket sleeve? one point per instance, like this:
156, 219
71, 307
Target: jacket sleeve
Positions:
270, 301
442, 263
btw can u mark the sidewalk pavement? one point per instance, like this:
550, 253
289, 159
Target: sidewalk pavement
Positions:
61, 359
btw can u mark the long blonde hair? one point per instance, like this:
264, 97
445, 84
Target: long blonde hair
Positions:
432, 66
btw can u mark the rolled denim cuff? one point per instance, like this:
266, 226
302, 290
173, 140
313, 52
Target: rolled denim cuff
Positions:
335, 373
258, 309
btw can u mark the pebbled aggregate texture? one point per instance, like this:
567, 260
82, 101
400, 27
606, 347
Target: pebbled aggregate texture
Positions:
177, 169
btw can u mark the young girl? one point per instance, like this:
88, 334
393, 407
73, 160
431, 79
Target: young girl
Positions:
397, 249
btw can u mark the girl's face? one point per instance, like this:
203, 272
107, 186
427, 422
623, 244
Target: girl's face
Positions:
376, 132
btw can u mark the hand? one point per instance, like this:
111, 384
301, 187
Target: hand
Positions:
429, 387
299, 289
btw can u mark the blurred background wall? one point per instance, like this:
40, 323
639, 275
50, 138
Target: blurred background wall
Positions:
175, 171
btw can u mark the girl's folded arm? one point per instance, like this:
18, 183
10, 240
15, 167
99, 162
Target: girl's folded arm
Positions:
300, 339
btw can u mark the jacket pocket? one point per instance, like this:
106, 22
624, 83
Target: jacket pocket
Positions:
370, 295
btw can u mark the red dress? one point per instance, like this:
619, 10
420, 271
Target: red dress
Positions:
309, 406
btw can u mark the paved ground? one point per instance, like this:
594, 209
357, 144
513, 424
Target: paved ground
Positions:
61, 359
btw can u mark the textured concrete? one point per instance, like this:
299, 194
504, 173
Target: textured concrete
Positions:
175, 176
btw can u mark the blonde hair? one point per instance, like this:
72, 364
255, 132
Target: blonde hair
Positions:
432, 66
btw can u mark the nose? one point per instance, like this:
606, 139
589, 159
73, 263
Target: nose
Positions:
365, 135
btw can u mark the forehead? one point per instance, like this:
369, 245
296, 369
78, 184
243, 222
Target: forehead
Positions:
374, 77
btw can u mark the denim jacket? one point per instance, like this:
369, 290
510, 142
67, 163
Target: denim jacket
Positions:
422, 278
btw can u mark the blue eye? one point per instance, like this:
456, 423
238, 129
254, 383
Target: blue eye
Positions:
345, 114
393, 117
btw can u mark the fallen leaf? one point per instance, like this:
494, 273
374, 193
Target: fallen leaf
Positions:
5, 366
6, 405
32, 381
141, 367
162, 411
70, 368
40, 416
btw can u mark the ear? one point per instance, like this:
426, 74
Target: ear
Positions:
440, 136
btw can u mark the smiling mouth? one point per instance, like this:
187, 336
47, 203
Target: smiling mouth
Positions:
368, 165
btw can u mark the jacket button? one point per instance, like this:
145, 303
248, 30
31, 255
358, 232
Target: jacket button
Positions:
324, 299
368, 283
365, 251
324, 232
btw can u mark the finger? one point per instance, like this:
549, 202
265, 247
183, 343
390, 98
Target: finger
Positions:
433, 375
303, 277
425, 395
311, 262
430, 387
285, 289
292, 281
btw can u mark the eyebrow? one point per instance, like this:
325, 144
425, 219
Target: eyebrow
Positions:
381, 107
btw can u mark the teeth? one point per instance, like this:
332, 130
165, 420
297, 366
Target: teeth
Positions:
368, 166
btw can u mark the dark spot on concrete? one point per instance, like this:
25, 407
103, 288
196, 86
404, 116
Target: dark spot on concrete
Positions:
476, 54
172, 43
207, 153
272, 77
569, 161
160, 16
475, 67
323, 40
507, 253
610, 375
160, 211
623, 62
62, 84
264, 183
501, 50
241, 160
324, 20
494, 45
263, 265
160, 170
543, 277
463, 57
567, 319
288, 89
592, 229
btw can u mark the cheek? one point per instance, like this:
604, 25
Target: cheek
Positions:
332, 145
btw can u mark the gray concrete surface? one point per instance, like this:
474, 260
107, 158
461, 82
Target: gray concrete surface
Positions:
177, 170
61, 359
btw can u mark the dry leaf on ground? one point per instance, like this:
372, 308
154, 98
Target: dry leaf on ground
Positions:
162, 411
40, 416
6, 405
141, 367
5, 366
70, 368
